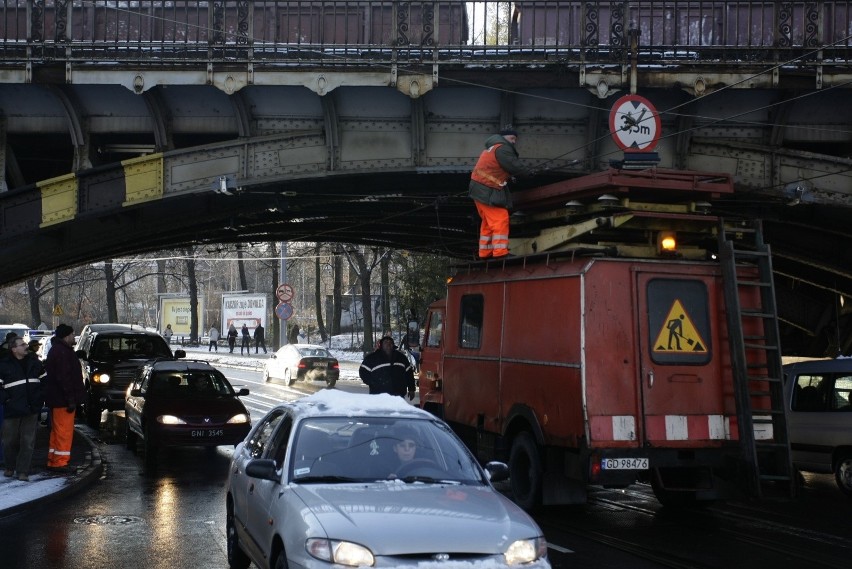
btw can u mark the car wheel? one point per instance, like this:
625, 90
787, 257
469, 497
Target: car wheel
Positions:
265, 375
129, 437
525, 471
93, 415
281, 560
237, 559
288, 377
150, 450
329, 382
843, 473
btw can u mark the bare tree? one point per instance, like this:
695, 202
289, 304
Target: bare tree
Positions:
192, 284
363, 262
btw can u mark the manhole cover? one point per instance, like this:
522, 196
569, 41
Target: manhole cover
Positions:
107, 520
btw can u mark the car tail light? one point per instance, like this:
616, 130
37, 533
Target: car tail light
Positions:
335, 364
302, 364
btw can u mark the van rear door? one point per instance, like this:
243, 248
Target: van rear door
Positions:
683, 400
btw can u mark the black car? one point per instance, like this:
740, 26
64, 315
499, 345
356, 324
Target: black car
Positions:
183, 403
111, 355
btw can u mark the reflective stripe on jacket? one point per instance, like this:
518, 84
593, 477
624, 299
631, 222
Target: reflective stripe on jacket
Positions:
488, 170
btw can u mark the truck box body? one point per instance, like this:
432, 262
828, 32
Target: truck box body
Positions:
600, 358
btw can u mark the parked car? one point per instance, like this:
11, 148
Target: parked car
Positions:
183, 403
819, 418
302, 362
111, 355
341, 479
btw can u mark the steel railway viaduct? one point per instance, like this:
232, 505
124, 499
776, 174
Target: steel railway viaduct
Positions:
136, 126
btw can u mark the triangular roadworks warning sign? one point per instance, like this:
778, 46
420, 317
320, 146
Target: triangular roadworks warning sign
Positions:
678, 333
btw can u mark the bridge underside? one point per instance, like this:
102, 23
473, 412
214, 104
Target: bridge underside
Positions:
95, 171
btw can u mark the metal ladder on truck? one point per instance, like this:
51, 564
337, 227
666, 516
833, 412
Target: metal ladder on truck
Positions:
756, 358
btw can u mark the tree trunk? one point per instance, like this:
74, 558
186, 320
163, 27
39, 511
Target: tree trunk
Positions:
386, 307
336, 293
112, 307
241, 265
318, 293
193, 297
35, 296
279, 324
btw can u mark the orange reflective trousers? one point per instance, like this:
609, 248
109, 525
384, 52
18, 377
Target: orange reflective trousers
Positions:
493, 231
61, 436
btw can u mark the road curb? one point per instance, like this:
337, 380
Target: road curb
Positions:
87, 472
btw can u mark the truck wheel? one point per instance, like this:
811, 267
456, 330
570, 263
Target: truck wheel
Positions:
843, 473
525, 471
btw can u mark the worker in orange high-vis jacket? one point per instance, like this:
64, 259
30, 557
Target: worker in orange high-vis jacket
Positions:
497, 164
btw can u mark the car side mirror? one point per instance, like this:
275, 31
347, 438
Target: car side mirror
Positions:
180, 354
497, 471
243, 391
81, 354
263, 468
136, 393
273, 356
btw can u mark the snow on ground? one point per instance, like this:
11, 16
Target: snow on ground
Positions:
345, 347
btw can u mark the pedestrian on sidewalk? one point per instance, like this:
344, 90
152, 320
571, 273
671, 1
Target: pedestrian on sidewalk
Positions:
22, 398
259, 340
232, 337
214, 339
246, 340
63, 392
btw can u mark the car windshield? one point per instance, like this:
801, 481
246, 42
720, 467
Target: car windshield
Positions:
123, 347
364, 449
192, 383
314, 353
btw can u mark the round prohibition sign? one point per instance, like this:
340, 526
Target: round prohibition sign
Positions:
635, 124
284, 311
285, 292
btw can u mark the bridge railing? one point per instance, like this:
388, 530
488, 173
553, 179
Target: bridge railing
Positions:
343, 32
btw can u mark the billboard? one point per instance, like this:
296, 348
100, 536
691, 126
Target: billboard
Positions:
175, 310
239, 309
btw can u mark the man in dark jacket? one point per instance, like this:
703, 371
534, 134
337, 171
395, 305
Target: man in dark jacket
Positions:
63, 392
497, 164
22, 397
388, 371
259, 339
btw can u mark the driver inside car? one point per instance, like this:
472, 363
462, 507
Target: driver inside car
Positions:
405, 448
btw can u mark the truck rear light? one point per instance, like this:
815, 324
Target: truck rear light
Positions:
594, 468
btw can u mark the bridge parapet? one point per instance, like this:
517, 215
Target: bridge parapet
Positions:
271, 34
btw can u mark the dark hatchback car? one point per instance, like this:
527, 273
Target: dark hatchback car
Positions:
183, 403
111, 355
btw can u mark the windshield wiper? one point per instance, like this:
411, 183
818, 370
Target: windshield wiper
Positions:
429, 480
324, 478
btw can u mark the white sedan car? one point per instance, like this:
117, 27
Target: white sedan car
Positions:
302, 362
349, 480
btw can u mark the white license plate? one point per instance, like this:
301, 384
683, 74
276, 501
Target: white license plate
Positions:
624, 464
208, 433
319, 364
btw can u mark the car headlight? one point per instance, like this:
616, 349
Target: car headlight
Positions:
526, 551
241, 418
340, 552
170, 420
100, 378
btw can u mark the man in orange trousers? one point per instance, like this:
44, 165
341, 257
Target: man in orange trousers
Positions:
488, 187
63, 393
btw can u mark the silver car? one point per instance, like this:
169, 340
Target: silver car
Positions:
354, 480
819, 417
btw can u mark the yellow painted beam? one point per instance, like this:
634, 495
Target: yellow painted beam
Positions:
143, 179
58, 199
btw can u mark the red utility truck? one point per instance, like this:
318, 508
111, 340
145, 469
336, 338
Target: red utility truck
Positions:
633, 337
